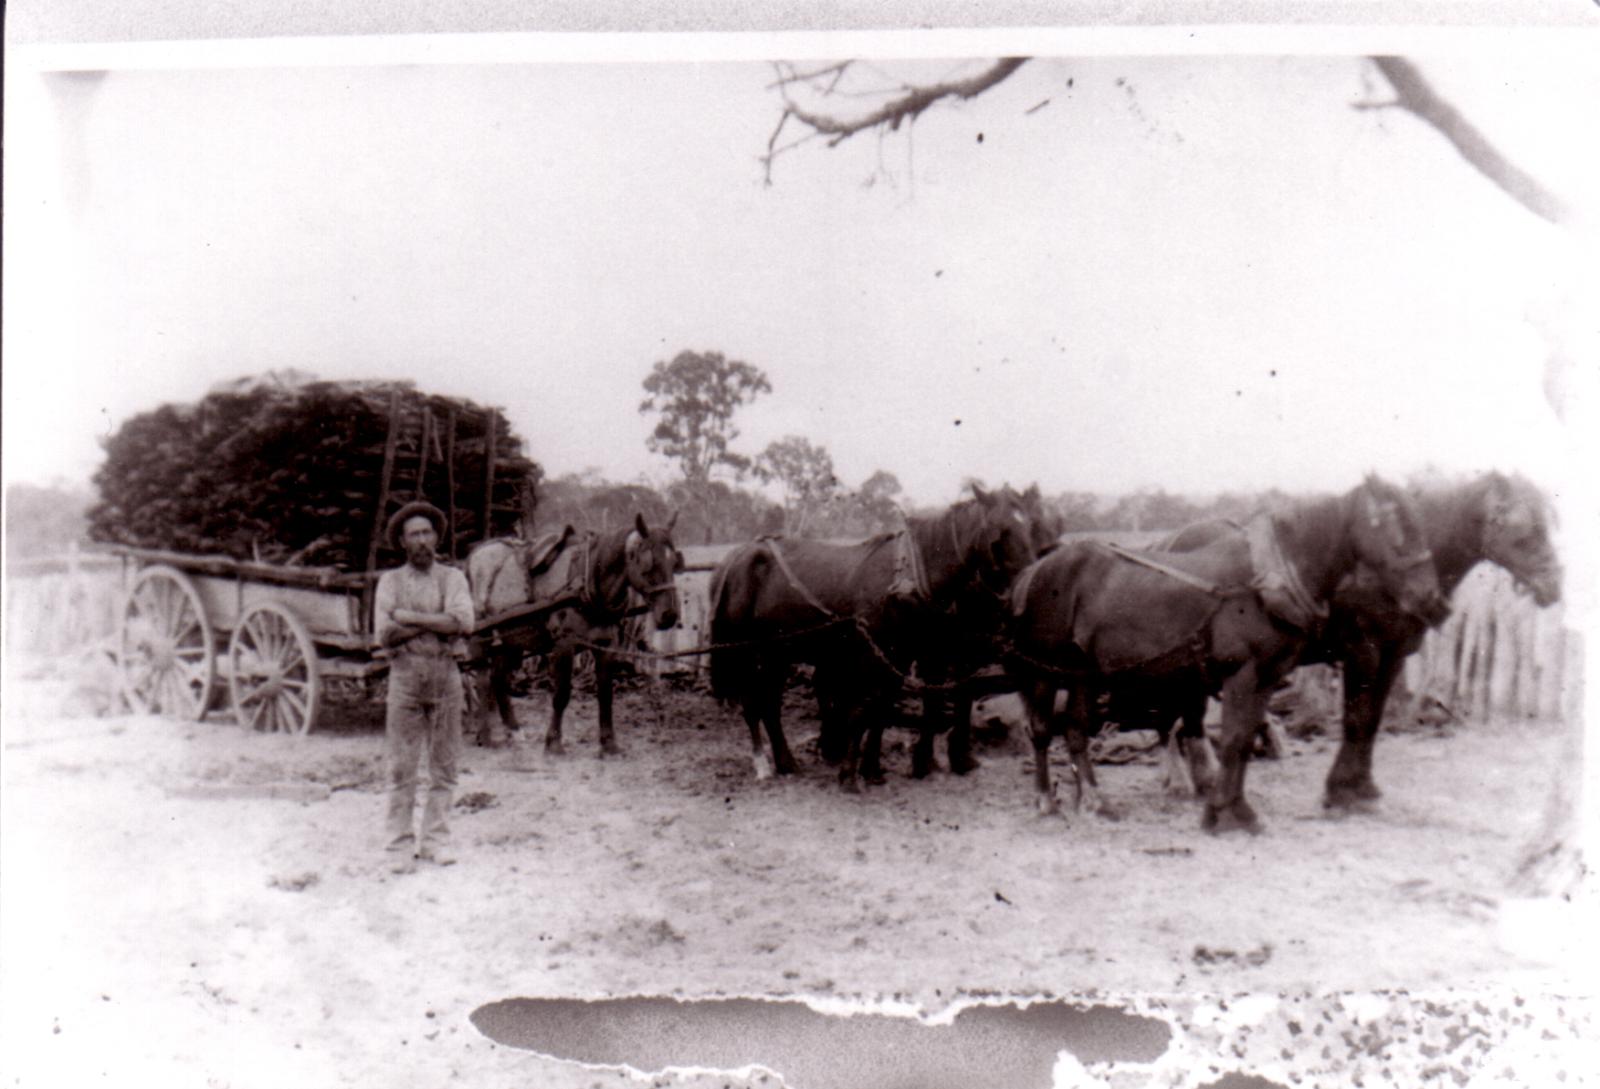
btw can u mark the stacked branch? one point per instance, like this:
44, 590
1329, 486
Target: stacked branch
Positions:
294, 474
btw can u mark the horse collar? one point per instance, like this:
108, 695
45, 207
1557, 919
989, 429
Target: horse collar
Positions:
1277, 579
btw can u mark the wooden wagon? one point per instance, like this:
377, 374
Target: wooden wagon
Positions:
196, 628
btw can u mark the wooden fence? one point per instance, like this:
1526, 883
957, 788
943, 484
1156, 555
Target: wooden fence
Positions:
1499, 654
62, 606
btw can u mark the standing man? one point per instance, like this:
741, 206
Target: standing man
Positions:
422, 609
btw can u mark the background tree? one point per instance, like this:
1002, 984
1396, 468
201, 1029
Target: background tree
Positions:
696, 396
879, 498
804, 471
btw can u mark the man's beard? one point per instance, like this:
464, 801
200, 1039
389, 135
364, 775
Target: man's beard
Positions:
420, 557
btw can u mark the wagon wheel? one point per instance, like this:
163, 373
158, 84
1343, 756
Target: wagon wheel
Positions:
273, 671
164, 646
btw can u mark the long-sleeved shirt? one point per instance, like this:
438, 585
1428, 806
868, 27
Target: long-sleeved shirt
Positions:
439, 589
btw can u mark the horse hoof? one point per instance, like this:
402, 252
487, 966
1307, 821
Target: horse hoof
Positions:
921, 771
1049, 807
1108, 812
763, 769
850, 785
964, 765
554, 747
875, 779
1344, 801
1234, 818
612, 749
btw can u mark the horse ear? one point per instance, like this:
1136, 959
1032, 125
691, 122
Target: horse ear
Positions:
638, 524
678, 562
979, 494
1369, 503
672, 522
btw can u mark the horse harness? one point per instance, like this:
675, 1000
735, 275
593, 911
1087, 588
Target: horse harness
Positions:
1278, 581
1274, 580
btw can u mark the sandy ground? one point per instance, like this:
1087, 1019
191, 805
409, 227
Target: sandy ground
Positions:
192, 904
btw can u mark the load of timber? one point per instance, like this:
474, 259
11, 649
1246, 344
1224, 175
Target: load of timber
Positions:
297, 472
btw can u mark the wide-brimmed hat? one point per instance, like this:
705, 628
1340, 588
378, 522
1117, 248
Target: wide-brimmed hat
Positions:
427, 510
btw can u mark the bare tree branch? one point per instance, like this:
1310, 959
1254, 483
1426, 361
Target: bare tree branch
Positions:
892, 114
787, 75
1416, 96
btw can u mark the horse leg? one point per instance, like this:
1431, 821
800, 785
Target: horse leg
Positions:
1082, 726
1369, 674
853, 723
480, 723
501, 667
1243, 707
772, 710
830, 736
561, 683
922, 760
1176, 771
958, 745
1273, 741
751, 704
602, 697
1196, 747
877, 713
1039, 700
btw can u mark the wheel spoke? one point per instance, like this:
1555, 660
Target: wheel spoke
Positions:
163, 609
162, 694
274, 679
283, 648
295, 702
190, 636
271, 645
193, 674
250, 635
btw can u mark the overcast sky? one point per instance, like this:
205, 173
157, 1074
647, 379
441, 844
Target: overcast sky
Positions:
1196, 273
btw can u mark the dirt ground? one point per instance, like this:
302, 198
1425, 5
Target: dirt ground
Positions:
192, 904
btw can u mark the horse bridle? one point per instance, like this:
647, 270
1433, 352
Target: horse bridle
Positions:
1524, 581
980, 579
649, 592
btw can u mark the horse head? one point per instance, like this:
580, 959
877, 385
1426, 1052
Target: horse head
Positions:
1516, 536
1048, 523
652, 563
1003, 536
1386, 532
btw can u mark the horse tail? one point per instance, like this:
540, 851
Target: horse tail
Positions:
729, 663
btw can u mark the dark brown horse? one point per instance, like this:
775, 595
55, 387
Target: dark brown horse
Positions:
598, 577
1494, 518
964, 639
1228, 618
859, 613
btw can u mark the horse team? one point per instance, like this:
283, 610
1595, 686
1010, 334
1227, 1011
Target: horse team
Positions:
1136, 636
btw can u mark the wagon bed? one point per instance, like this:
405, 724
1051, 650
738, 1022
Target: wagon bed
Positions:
194, 627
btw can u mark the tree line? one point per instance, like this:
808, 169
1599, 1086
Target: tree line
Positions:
723, 495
